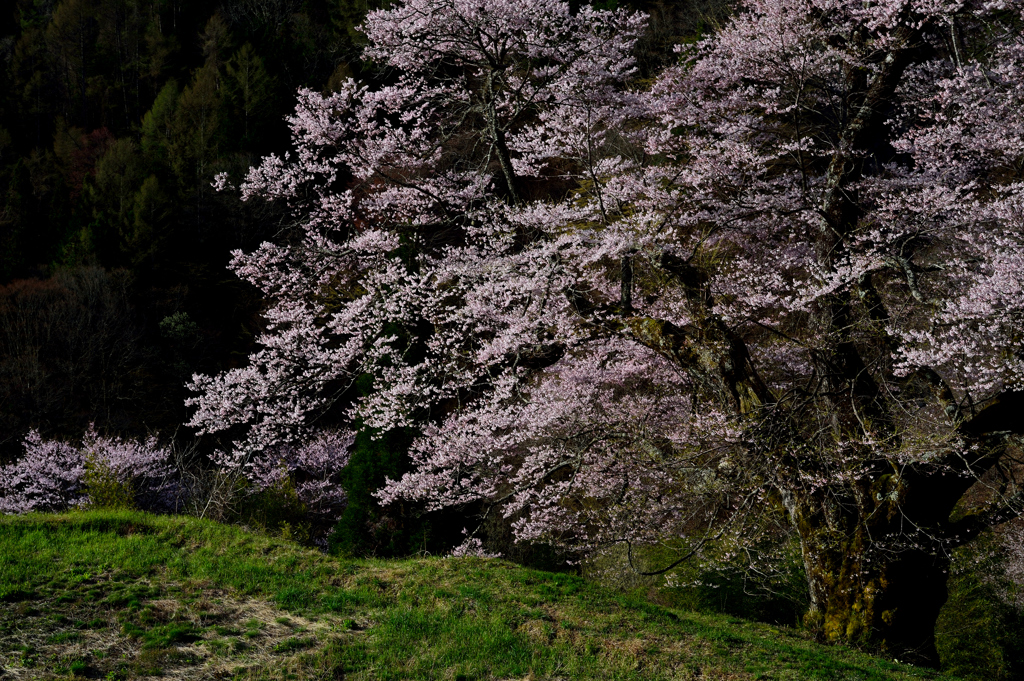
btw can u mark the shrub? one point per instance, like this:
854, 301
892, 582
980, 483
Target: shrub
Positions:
311, 468
369, 528
766, 582
103, 488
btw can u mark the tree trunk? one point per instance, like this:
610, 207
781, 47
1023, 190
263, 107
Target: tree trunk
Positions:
870, 583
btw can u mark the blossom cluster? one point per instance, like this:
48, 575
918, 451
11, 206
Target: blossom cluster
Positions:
312, 467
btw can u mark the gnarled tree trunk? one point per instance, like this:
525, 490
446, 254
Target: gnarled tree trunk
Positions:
870, 580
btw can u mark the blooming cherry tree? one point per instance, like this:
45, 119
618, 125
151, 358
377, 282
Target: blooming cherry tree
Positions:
787, 275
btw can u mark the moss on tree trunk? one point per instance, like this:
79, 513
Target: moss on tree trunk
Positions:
874, 578
890, 604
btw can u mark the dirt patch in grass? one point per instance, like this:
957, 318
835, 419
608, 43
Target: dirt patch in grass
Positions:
110, 629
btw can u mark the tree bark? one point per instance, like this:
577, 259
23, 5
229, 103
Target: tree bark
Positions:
864, 590
893, 607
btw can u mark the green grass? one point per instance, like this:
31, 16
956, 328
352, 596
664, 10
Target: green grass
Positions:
121, 595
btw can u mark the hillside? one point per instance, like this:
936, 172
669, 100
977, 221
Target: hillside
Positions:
122, 595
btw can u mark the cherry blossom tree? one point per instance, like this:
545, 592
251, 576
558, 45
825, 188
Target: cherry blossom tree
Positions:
786, 276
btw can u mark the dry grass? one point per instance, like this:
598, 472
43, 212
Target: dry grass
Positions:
201, 632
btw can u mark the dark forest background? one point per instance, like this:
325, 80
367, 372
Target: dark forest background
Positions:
114, 117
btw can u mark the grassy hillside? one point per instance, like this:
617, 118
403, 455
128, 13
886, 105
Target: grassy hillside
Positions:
120, 595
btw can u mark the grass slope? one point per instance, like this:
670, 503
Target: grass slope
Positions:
122, 595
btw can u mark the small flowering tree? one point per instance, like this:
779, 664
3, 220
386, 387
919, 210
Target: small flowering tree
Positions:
47, 478
54, 475
787, 276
